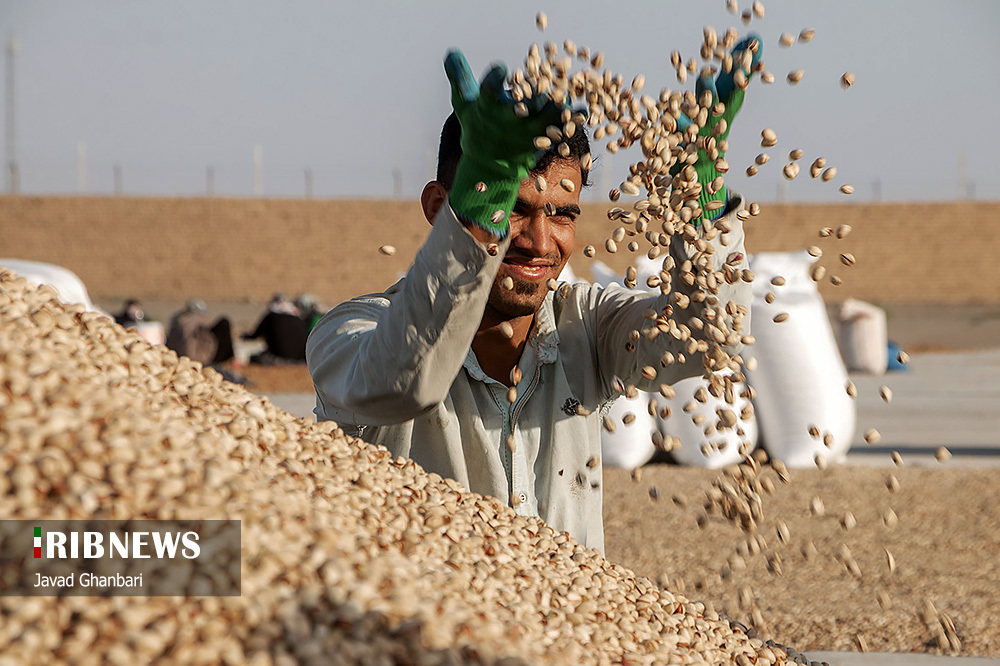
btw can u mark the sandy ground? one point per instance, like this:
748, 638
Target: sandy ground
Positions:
945, 545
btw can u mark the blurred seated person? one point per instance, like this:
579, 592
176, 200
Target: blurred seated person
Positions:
131, 314
283, 331
192, 335
309, 310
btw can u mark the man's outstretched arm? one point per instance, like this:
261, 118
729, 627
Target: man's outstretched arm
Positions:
708, 311
378, 360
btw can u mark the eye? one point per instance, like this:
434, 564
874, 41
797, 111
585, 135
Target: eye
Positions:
521, 209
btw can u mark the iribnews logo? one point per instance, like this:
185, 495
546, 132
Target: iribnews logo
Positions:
129, 545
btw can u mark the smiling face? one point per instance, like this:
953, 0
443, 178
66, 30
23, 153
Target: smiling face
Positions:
540, 244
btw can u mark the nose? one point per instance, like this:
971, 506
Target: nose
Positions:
533, 234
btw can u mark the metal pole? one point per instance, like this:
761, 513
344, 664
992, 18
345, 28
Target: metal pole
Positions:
210, 181
81, 167
309, 183
963, 179
118, 179
258, 171
13, 46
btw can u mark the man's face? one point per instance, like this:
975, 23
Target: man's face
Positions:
540, 244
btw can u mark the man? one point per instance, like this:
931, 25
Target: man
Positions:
192, 335
131, 314
283, 331
470, 365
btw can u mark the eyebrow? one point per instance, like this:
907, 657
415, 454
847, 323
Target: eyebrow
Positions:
569, 209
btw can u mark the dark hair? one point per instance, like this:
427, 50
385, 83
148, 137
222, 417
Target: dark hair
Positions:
450, 152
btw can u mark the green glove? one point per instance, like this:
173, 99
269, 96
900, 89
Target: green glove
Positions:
498, 149
724, 89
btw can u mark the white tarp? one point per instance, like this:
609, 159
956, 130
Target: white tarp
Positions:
70, 287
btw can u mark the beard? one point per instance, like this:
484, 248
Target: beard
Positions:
523, 300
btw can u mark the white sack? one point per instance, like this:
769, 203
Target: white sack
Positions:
800, 378
631, 445
863, 337
698, 449
603, 274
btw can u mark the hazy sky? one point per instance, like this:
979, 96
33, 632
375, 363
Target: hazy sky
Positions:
356, 90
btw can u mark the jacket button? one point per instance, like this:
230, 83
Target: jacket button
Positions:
518, 499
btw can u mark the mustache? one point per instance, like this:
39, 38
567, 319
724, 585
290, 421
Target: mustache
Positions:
551, 258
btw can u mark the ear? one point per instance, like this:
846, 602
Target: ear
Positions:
432, 198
